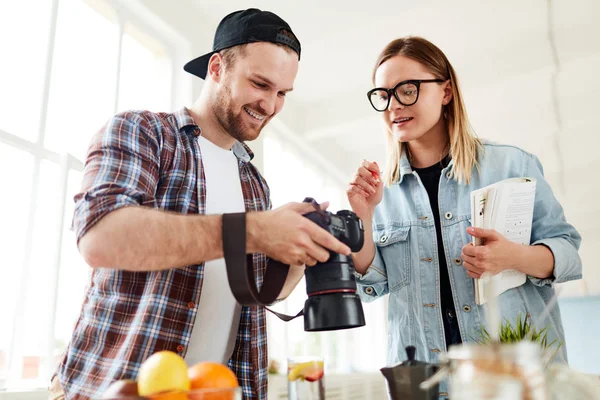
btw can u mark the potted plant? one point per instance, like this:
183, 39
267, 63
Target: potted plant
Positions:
523, 330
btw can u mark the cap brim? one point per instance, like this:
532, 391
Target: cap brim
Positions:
198, 66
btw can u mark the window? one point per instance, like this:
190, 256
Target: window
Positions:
291, 179
23, 65
75, 64
13, 231
84, 76
145, 73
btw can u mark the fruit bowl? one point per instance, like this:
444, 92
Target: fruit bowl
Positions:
196, 394
166, 376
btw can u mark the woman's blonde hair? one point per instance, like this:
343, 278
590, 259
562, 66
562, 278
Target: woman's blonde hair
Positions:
464, 144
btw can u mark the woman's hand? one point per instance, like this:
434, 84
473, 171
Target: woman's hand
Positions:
495, 255
365, 190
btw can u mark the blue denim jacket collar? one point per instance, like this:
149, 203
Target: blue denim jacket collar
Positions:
406, 168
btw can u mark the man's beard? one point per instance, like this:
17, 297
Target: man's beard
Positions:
233, 124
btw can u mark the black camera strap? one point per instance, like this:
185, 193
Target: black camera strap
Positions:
240, 268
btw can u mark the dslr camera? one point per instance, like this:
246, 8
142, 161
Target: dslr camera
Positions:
331, 286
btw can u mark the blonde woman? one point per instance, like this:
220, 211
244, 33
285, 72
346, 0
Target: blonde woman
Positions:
417, 212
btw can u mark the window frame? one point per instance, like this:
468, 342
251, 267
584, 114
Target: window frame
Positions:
177, 48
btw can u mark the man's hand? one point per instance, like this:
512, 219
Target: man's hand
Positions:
285, 235
495, 255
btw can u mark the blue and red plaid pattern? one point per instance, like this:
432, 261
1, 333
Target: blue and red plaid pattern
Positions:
152, 159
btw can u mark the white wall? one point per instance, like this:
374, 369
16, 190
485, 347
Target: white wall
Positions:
550, 109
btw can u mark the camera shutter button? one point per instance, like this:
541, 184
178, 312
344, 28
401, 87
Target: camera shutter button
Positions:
383, 239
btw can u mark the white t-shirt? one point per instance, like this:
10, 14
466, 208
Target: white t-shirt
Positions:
217, 320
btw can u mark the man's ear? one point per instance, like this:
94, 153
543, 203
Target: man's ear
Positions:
447, 92
215, 67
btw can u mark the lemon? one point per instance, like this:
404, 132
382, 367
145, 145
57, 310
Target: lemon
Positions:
161, 372
308, 369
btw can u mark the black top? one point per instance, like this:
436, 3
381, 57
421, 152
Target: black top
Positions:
430, 177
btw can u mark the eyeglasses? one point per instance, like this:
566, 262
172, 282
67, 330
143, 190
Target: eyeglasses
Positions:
406, 92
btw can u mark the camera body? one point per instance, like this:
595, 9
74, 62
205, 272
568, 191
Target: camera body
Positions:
343, 225
331, 286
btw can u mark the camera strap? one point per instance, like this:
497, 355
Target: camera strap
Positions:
240, 268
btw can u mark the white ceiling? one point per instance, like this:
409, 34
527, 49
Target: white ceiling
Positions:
484, 40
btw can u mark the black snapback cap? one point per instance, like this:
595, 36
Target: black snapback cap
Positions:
246, 26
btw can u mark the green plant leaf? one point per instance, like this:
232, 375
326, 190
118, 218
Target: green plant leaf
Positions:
520, 331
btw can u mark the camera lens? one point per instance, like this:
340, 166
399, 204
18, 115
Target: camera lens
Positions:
332, 300
333, 312
334, 277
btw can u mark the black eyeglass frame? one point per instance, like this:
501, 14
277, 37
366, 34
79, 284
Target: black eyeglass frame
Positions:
392, 92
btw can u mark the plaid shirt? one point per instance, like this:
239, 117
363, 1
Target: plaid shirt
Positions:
153, 160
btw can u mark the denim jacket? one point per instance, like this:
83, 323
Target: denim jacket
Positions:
406, 264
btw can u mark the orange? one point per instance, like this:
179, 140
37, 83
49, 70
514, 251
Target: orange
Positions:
170, 396
164, 371
210, 375
216, 395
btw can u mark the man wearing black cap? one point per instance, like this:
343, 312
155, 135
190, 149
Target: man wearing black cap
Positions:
148, 221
